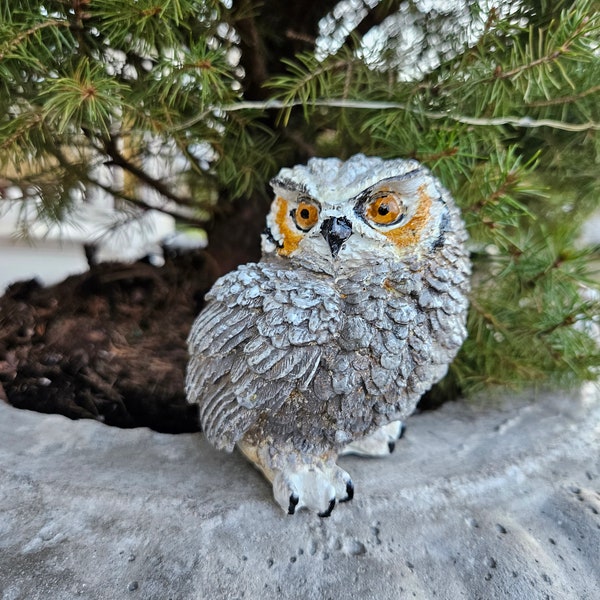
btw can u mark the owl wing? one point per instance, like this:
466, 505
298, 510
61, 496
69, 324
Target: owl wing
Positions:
253, 344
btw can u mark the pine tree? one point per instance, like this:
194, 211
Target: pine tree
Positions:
500, 99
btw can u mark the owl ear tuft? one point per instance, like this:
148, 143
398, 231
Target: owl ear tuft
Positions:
407, 185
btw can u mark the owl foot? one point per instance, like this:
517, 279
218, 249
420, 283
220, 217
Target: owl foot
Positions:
300, 480
380, 443
315, 487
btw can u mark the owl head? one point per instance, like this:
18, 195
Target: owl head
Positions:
332, 214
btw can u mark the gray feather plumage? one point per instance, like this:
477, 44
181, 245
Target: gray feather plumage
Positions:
320, 360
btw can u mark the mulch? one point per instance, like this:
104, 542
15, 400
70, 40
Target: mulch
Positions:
110, 344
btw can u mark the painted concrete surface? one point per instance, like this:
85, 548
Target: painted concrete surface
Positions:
476, 502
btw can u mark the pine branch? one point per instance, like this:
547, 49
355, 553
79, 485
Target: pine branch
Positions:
525, 122
254, 58
570, 99
12, 141
303, 89
117, 159
85, 177
553, 56
178, 215
29, 32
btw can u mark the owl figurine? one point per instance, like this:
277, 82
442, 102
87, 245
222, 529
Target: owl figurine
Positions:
356, 308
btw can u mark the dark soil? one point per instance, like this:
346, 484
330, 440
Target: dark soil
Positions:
110, 344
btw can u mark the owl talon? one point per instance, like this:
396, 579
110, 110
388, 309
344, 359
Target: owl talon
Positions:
329, 510
402, 430
293, 503
380, 443
349, 492
317, 487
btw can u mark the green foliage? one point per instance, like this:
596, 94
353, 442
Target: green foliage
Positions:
107, 81
87, 96
502, 104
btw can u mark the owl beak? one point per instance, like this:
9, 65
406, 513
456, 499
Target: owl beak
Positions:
336, 230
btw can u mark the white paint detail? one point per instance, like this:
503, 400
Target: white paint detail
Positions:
377, 444
314, 486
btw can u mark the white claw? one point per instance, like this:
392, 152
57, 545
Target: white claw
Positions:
380, 443
316, 488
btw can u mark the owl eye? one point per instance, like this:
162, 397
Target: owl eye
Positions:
305, 215
384, 209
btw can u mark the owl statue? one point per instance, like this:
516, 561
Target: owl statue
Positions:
356, 308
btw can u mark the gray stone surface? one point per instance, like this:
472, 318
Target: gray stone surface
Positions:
475, 503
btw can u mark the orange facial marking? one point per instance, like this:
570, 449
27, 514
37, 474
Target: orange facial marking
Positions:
410, 233
290, 238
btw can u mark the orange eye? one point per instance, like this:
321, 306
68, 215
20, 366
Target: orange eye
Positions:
306, 216
384, 210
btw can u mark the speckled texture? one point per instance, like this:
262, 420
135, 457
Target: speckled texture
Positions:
331, 180
356, 352
495, 504
356, 309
